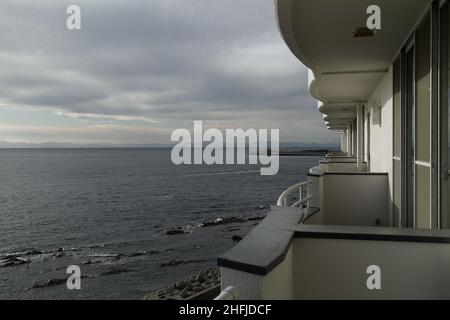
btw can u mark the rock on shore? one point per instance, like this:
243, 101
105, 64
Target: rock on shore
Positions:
203, 286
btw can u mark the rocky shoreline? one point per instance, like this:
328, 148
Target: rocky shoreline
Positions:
216, 222
203, 286
102, 260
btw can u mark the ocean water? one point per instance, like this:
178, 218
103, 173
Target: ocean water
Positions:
108, 210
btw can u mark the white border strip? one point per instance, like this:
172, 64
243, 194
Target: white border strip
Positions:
423, 164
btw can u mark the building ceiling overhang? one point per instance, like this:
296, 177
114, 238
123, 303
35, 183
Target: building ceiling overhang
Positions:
344, 70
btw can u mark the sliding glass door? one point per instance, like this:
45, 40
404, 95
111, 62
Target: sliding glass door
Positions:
423, 143
410, 134
445, 114
412, 119
421, 124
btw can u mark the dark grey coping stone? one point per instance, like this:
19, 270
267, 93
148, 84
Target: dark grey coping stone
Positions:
327, 161
266, 246
340, 157
348, 173
315, 174
357, 173
372, 233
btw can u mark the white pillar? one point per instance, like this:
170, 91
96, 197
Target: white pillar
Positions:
354, 138
344, 141
359, 137
349, 139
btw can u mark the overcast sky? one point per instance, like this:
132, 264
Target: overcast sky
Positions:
139, 69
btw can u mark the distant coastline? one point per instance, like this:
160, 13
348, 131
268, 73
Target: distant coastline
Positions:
283, 152
301, 152
286, 147
304, 152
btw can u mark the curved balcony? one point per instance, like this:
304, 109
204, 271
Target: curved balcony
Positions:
345, 69
300, 189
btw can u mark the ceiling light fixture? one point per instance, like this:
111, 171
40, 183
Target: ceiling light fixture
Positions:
363, 32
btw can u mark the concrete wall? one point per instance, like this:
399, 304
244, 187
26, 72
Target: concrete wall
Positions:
336, 269
344, 142
355, 199
350, 199
277, 285
381, 128
316, 268
338, 166
316, 190
247, 286
340, 159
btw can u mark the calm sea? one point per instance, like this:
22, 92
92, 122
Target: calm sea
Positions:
108, 210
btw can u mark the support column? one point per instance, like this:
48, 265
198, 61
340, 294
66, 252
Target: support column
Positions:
359, 137
349, 139
344, 141
354, 138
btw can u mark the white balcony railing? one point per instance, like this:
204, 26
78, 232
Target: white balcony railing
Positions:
227, 294
315, 170
301, 188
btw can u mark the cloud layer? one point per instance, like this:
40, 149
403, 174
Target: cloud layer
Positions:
139, 69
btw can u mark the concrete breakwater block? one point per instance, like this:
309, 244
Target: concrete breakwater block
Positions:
203, 286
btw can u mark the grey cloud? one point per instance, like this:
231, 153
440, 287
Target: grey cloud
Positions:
169, 60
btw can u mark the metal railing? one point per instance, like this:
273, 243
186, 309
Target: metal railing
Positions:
315, 170
227, 294
283, 200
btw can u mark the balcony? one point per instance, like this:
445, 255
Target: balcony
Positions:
281, 259
349, 198
320, 239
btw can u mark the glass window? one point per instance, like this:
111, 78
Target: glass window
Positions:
445, 113
423, 91
397, 166
422, 171
397, 109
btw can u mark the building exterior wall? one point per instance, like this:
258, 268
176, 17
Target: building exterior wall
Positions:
336, 269
381, 128
278, 284
246, 286
344, 142
355, 200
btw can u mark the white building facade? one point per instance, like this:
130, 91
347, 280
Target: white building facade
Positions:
383, 200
